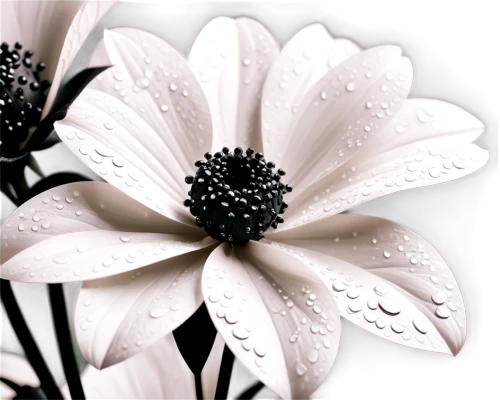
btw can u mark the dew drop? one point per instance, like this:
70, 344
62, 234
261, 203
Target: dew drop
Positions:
380, 290
240, 333
355, 306
61, 260
156, 313
298, 69
300, 368
443, 312
389, 306
372, 303
420, 326
232, 316
339, 286
313, 356
381, 323
370, 316
350, 87
259, 350
398, 328
439, 297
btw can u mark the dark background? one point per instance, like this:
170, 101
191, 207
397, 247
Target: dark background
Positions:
453, 52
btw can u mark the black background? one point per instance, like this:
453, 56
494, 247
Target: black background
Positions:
453, 53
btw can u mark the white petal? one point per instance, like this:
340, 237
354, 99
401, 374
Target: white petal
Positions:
422, 119
380, 261
334, 119
79, 207
154, 80
275, 314
123, 149
210, 372
360, 180
122, 315
39, 26
304, 60
149, 375
84, 21
231, 58
83, 256
18, 370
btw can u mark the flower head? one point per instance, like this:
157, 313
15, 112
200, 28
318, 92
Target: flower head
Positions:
333, 116
28, 35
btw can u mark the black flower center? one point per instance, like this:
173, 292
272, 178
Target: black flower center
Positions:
23, 96
236, 196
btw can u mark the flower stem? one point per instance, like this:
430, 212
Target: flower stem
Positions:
226, 368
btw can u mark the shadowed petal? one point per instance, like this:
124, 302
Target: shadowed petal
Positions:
231, 58
83, 256
80, 207
275, 315
149, 375
304, 60
334, 119
362, 178
122, 315
389, 275
81, 26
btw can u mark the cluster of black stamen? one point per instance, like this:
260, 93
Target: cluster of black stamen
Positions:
23, 96
236, 196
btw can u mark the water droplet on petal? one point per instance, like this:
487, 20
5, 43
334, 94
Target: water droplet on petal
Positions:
443, 312
61, 260
389, 306
232, 316
259, 350
156, 313
300, 368
240, 333
439, 297
420, 326
313, 356
350, 87
398, 328
380, 290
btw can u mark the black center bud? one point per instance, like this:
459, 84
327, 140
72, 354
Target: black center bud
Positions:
22, 99
236, 196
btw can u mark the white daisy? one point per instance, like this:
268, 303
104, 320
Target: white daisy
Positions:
40, 40
146, 376
335, 117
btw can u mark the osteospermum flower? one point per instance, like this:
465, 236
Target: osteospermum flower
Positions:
145, 376
335, 117
39, 42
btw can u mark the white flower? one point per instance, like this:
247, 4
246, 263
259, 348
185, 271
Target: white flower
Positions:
334, 116
39, 42
146, 376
